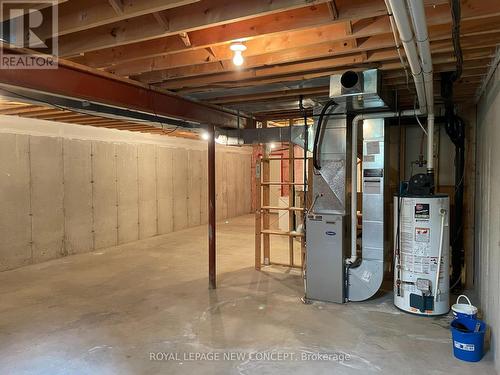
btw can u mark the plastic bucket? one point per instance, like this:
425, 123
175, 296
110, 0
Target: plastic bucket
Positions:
468, 344
464, 310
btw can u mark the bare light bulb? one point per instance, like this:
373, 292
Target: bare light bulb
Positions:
205, 136
238, 59
238, 49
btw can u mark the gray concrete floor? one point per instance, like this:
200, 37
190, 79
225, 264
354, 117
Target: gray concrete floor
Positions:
107, 311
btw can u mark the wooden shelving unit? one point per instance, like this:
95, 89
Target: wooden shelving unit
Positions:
263, 230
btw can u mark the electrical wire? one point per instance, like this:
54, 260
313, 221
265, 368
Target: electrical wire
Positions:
316, 146
455, 32
152, 99
416, 116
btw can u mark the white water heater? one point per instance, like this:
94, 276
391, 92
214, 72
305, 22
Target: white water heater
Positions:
421, 254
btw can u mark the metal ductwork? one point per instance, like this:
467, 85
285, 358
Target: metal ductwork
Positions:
360, 91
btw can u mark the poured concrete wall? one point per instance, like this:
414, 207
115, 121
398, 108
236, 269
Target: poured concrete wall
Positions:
488, 209
69, 189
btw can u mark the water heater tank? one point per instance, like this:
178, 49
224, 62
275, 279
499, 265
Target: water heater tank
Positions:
421, 228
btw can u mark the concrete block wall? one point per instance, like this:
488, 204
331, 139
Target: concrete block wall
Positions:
69, 189
487, 246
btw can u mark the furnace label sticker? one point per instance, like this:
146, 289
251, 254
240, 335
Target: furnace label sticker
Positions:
373, 148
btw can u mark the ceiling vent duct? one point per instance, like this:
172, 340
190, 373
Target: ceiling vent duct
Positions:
360, 91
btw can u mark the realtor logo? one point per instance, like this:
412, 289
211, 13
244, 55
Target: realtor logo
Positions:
29, 34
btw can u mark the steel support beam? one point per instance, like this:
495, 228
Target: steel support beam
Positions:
212, 275
74, 81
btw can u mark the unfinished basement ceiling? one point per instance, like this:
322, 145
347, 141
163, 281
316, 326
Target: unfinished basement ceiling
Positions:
183, 46
292, 47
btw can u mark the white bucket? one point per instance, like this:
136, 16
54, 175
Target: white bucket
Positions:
464, 310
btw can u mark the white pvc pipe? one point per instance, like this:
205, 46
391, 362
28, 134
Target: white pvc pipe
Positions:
417, 13
403, 24
440, 254
430, 143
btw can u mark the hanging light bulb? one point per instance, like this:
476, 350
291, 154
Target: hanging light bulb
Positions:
238, 49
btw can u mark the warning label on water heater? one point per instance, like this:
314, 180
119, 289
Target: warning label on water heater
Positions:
422, 235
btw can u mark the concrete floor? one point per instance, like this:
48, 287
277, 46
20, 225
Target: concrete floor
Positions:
106, 312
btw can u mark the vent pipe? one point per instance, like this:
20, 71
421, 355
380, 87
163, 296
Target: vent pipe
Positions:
420, 63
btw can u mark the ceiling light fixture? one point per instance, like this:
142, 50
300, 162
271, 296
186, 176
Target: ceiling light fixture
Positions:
238, 49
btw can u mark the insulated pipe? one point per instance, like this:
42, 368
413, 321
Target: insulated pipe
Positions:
354, 170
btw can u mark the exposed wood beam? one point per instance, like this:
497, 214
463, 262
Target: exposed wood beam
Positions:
26, 110
332, 8
398, 83
287, 41
195, 16
259, 65
75, 81
162, 21
77, 16
258, 55
315, 18
27, 6
348, 28
267, 95
295, 19
117, 6
393, 68
185, 39
325, 70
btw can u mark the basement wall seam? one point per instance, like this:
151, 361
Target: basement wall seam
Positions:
72, 191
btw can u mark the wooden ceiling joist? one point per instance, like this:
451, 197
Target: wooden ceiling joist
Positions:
191, 17
183, 45
376, 57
